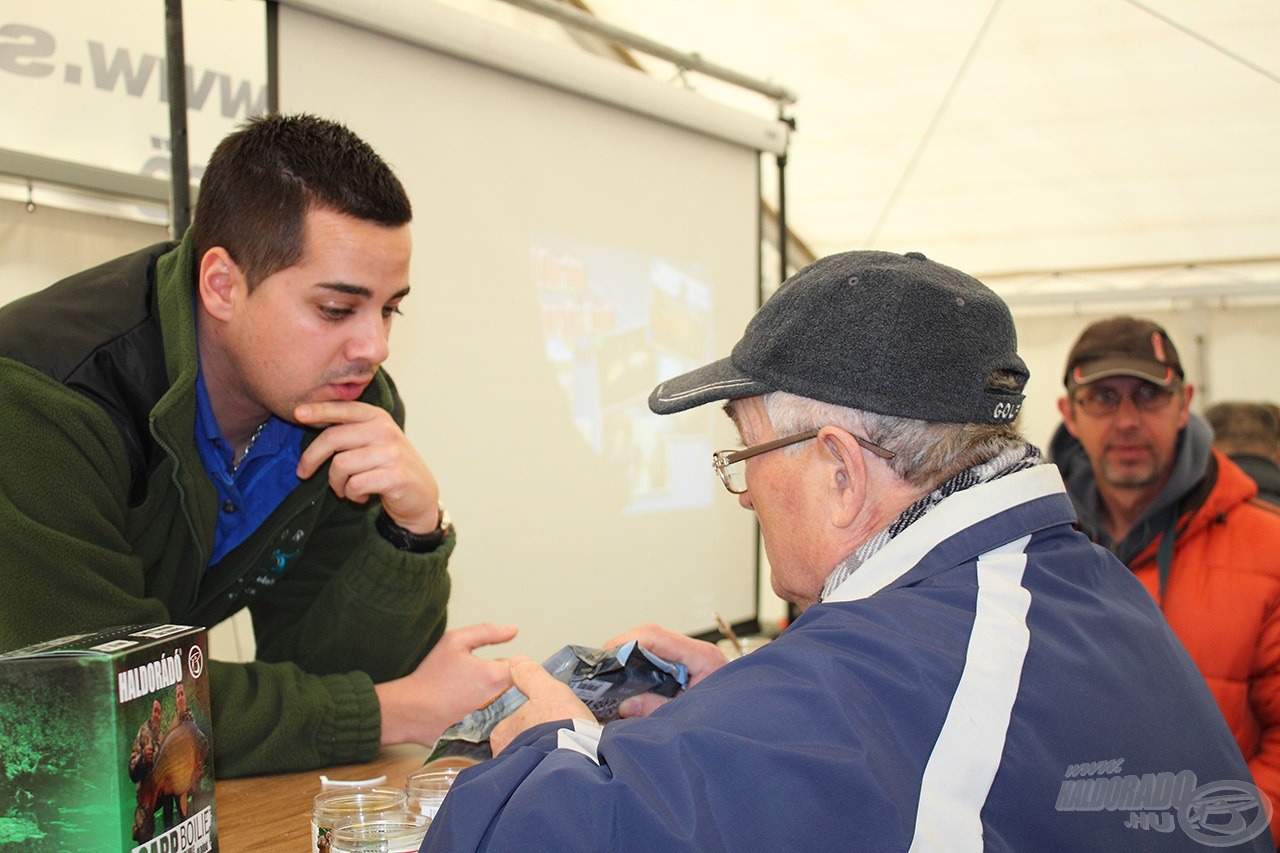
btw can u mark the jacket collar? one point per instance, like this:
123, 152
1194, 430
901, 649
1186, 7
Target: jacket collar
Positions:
989, 515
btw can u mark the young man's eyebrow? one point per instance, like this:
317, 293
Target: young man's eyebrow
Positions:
359, 290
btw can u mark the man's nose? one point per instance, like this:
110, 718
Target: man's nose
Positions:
369, 343
1127, 411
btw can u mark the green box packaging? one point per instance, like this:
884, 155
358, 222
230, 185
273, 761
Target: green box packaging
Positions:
106, 743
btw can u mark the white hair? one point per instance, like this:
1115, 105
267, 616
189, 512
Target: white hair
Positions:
926, 454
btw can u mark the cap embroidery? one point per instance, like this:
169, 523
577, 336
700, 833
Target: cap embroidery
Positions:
1157, 346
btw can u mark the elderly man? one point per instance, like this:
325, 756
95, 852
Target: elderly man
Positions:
968, 671
1149, 486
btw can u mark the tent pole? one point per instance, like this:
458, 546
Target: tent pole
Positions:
180, 170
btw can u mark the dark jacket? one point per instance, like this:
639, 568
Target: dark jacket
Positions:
107, 517
1264, 472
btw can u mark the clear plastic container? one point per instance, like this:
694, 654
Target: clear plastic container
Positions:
347, 804
426, 788
398, 832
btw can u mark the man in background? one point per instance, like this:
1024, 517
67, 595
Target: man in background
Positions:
142, 756
963, 652
205, 426
1250, 437
1148, 485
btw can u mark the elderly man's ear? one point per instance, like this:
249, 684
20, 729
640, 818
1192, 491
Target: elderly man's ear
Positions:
846, 471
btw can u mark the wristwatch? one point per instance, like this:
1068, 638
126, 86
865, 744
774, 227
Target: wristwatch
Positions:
407, 540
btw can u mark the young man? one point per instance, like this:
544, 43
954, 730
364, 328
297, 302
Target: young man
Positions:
202, 427
1149, 486
969, 672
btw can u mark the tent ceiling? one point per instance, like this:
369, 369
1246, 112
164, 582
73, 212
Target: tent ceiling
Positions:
1009, 137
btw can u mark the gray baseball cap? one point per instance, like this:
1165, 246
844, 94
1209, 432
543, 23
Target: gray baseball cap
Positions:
886, 333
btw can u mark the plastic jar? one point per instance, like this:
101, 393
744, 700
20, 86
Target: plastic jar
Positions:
346, 804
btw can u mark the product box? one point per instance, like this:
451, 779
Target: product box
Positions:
106, 743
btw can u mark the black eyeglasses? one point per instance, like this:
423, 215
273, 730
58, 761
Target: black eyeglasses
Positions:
729, 464
1102, 400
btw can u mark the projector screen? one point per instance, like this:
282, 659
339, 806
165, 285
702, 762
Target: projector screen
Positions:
568, 255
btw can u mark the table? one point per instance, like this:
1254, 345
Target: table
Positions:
272, 814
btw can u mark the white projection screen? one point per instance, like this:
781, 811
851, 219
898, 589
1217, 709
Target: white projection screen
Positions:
568, 255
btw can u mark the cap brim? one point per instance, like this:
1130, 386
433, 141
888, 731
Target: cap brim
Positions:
719, 380
1160, 374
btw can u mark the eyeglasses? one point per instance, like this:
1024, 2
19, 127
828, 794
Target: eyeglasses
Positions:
731, 464
1103, 400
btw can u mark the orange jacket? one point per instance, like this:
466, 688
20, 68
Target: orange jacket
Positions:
1222, 599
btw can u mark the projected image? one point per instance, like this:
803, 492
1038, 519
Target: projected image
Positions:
616, 322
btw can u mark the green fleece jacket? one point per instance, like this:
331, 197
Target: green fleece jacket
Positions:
107, 518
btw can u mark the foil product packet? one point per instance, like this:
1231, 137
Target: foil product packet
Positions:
601, 678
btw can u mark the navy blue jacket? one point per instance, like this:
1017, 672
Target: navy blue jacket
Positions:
989, 680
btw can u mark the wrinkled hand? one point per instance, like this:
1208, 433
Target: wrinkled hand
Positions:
450, 683
371, 456
549, 700
699, 657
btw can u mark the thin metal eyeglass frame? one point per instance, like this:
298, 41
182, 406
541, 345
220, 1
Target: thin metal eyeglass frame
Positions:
722, 459
1154, 404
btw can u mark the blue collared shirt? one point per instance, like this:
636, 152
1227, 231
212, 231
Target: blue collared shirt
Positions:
267, 474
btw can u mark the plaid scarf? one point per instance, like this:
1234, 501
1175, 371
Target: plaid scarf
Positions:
1007, 462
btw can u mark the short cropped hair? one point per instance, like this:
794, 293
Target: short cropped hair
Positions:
263, 178
926, 454
1244, 428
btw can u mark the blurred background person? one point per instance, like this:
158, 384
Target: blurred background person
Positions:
1250, 436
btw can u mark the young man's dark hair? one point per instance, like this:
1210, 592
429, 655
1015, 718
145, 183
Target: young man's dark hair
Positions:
262, 180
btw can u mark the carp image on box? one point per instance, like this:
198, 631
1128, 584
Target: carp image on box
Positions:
168, 766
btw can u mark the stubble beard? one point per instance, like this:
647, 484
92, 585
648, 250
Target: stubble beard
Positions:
1130, 477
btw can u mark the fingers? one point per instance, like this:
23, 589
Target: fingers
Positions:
529, 676
642, 705
370, 456
648, 636
336, 436
549, 700
472, 637
334, 412
699, 657
490, 681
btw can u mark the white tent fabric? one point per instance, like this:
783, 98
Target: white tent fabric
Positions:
1010, 137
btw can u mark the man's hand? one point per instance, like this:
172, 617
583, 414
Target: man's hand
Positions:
371, 456
450, 683
699, 657
549, 700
